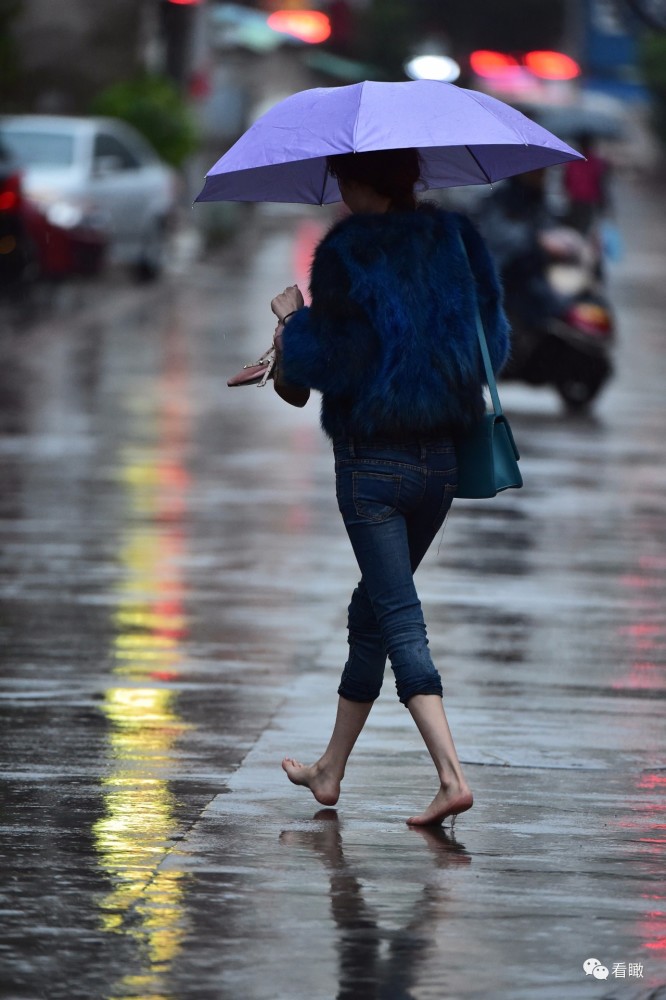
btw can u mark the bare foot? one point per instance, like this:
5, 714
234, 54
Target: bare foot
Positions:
447, 802
324, 787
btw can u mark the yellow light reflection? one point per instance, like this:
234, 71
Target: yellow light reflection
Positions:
137, 830
134, 835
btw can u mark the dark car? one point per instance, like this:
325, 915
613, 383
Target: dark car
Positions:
17, 256
34, 243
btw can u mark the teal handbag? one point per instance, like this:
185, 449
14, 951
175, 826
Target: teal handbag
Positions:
487, 454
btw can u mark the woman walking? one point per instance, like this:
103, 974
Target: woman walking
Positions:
390, 342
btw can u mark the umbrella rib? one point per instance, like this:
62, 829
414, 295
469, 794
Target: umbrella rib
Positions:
323, 187
360, 98
476, 160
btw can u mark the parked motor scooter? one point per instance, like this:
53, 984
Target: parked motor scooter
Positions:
564, 336
554, 294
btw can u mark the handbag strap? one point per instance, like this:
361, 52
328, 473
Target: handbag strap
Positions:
483, 343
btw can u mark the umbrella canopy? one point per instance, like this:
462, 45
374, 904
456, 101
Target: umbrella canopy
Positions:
463, 137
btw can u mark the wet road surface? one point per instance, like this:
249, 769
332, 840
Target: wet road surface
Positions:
174, 586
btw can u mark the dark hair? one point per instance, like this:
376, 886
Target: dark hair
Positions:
390, 172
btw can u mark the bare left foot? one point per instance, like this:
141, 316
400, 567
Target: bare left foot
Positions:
324, 786
447, 802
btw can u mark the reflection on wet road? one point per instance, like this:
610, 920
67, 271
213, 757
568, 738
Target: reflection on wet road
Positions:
380, 961
174, 588
139, 822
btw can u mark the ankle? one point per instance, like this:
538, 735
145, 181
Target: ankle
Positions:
329, 768
453, 781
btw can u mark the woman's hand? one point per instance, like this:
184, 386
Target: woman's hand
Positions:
294, 394
287, 301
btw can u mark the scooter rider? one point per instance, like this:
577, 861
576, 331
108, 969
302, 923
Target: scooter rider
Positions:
513, 221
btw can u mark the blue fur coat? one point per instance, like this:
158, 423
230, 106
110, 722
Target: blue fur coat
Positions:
390, 337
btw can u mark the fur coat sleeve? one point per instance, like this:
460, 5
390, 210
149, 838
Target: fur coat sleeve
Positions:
390, 337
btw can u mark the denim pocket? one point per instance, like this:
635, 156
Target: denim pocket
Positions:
447, 499
376, 495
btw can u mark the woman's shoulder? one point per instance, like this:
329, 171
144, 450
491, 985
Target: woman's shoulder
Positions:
453, 222
352, 227
436, 214
428, 217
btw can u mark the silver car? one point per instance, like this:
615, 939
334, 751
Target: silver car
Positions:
97, 168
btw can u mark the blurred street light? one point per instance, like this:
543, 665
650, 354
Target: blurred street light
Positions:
433, 67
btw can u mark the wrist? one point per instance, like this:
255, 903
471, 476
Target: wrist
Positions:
288, 315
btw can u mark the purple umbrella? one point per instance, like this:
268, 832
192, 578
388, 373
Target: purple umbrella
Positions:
463, 137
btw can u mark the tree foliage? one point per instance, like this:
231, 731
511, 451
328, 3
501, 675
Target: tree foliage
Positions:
154, 106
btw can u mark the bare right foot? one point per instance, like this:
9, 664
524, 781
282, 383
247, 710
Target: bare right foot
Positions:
448, 802
324, 787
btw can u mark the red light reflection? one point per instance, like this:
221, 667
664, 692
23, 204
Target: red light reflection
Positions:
309, 26
552, 65
487, 63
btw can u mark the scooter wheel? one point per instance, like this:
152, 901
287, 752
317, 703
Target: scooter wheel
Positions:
577, 393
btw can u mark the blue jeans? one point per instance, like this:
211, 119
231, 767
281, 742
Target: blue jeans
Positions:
393, 499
